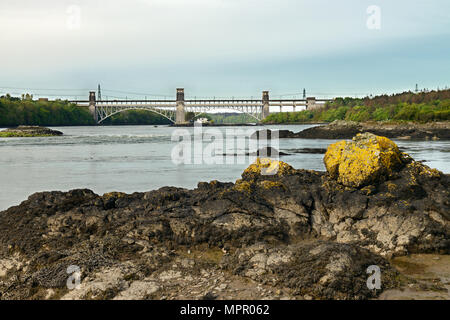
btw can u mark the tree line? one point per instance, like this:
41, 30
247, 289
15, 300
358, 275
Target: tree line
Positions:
16, 111
406, 106
230, 118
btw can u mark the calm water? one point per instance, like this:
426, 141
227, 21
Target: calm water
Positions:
138, 158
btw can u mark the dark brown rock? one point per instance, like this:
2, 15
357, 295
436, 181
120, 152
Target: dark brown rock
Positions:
267, 134
405, 131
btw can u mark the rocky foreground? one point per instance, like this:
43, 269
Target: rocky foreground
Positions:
29, 131
277, 233
347, 129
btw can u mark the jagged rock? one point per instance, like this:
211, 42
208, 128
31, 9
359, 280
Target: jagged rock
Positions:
321, 270
268, 152
365, 160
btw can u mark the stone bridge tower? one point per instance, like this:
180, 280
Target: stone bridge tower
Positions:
266, 106
311, 103
92, 107
180, 116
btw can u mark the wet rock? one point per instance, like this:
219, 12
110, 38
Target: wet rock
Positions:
272, 134
262, 152
268, 152
321, 270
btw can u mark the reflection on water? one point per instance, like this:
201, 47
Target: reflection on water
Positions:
138, 158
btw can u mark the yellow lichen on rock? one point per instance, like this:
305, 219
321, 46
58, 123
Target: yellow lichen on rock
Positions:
242, 186
333, 158
364, 160
420, 169
267, 184
266, 166
252, 176
114, 194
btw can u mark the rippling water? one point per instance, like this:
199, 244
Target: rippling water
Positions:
138, 158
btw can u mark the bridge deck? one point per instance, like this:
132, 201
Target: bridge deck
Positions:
174, 110
200, 101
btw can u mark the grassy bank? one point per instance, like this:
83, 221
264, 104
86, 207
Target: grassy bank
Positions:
407, 106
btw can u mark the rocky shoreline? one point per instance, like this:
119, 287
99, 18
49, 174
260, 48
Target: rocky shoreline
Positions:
277, 233
348, 129
29, 131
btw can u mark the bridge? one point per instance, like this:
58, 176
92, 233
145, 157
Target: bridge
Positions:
175, 110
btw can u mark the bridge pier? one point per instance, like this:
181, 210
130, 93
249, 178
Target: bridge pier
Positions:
180, 115
92, 105
266, 106
311, 103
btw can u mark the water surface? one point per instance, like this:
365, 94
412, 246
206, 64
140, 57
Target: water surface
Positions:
139, 158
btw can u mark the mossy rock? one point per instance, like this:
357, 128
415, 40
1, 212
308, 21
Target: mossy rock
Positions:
267, 167
367, 159
113, 195
243, 186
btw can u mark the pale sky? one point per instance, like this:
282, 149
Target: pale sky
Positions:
223, 48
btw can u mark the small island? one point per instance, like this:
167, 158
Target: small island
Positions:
29, 131
341, 129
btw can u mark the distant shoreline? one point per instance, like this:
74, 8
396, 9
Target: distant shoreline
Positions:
340, 129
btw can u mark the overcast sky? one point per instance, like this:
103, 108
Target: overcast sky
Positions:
223, 47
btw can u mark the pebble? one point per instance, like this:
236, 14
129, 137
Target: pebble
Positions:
222, 286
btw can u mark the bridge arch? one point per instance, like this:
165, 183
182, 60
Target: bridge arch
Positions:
225, 109
239, 110
166, 114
